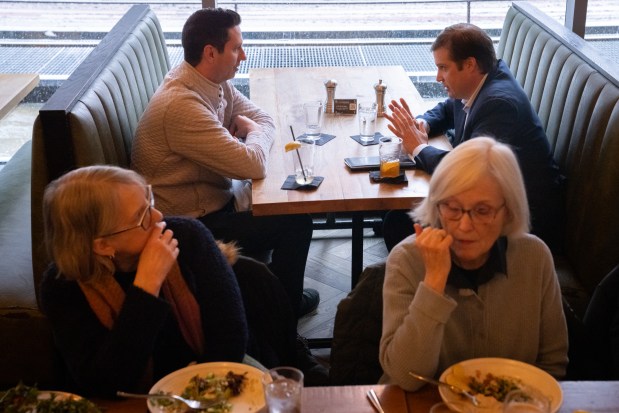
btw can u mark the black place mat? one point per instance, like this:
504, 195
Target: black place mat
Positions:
291, 183
377, 136
324, 138
400, 179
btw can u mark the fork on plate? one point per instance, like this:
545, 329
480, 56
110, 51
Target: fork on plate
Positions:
192, 404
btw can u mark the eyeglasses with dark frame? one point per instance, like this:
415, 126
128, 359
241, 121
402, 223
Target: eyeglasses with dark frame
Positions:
145, 218
479, 214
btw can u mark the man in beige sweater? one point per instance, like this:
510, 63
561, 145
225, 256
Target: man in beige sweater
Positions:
200, 138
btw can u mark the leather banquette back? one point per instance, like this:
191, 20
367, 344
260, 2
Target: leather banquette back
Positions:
575, 92
92, 117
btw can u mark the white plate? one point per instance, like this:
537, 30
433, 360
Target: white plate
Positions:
60, 395
250, 400
529, 376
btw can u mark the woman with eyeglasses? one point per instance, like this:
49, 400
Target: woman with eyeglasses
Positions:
126, 306
471, 282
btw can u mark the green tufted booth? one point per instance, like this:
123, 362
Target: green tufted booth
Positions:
90, 119
575, 92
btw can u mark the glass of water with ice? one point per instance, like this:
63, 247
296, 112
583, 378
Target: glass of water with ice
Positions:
282, 389
367, 121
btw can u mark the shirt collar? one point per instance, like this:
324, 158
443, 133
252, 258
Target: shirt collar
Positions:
468, 103
209, 91
472, 279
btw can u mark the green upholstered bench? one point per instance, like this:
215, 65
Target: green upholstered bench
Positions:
90, 119
575, 92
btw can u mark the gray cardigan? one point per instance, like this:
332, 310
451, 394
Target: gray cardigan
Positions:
517, 315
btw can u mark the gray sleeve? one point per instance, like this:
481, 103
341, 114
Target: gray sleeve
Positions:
414, 318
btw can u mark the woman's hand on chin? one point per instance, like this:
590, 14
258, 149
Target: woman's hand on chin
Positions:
434, 243
156, 259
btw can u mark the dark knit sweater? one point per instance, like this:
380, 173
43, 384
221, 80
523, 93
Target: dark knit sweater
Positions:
102, 361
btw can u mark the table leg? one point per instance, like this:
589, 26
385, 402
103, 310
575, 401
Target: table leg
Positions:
357, 248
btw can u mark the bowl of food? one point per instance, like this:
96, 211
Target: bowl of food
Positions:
491, 379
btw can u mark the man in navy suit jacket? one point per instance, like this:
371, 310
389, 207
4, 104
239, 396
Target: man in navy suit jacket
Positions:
484, 100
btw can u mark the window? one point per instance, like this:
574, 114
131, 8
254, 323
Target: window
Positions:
52, 38
602, 28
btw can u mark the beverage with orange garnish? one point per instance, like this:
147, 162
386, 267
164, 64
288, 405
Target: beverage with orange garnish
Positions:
389, 154
390, 168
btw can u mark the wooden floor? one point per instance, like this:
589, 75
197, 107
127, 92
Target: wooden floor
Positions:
328, 271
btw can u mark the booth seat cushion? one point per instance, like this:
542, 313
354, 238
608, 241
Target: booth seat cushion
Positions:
16, 284
26, 349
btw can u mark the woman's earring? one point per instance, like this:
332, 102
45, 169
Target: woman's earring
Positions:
111, 257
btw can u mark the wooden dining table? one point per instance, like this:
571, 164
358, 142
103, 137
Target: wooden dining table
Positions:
13, 88
281, 92
578, 396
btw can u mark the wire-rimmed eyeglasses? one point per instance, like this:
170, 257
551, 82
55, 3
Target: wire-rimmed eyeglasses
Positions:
479, 214
145, 218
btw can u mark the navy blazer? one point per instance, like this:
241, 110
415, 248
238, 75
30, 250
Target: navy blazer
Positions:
502, 111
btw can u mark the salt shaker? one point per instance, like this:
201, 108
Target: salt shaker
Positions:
330, 85
380, 88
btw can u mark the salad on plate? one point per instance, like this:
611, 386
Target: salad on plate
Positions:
491, 379
237, 385
27, 399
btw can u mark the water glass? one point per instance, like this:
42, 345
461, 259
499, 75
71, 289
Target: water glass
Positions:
389, 153
526, 401
282, 389
367, 121
303, 160
313, 118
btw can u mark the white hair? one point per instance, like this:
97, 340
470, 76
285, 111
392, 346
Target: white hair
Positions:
462, 168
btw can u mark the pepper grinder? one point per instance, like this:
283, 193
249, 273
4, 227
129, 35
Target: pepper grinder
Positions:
330, 85
380, 88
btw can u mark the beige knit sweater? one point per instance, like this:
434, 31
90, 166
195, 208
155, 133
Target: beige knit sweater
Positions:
184, 149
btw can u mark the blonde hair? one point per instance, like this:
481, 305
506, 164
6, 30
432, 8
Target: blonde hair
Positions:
462, 168
77, 208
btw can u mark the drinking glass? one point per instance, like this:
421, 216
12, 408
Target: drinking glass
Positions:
303, 160
282, 389
367, 121
526, 401
389, 153
313, 118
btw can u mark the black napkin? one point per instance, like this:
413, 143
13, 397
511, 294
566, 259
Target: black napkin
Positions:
324, 138
400, 179
291, 183
377, 136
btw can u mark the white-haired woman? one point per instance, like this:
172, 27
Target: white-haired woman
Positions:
471, 282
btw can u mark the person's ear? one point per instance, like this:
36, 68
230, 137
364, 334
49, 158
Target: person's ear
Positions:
101, 246
470, 63
208, 53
